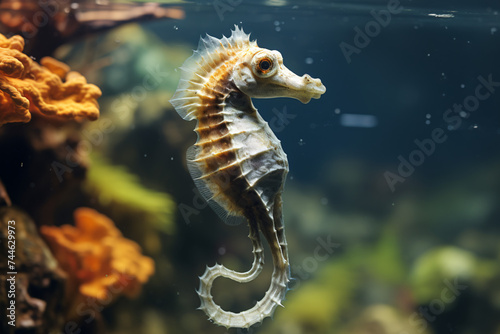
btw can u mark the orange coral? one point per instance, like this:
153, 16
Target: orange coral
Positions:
49, 89
102, 262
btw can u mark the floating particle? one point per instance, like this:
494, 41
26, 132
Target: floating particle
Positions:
222, 250
427, 122
276, 23
428, 116
309, 60
462, 86
463, 114
324, 201
278, 29
301, 142
493, 30
337, 111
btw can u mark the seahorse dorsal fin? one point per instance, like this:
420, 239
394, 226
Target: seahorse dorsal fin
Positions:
197, 69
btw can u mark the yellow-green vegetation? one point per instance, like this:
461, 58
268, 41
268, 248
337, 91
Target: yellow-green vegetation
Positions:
117, 187
433, 268
317, 305
385, 260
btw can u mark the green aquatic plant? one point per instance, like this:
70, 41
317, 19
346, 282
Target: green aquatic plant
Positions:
320, 303
434, 269
116, 186
385, 261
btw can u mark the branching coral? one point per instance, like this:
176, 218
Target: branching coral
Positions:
49, 89
101, 261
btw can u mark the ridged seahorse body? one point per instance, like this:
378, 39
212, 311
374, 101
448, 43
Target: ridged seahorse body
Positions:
237, 163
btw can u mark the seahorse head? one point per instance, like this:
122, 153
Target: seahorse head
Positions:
261, 73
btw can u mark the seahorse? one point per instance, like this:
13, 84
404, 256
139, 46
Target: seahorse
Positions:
237, 163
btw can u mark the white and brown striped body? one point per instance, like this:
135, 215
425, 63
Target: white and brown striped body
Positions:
238, 163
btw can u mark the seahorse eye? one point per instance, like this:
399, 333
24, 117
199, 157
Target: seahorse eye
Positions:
265, 65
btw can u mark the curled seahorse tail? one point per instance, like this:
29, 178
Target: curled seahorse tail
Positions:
263, 308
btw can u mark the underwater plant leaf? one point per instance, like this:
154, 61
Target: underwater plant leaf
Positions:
115, 185
386, 262
319, 303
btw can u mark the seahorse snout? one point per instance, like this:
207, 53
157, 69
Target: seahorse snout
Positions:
314, 87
